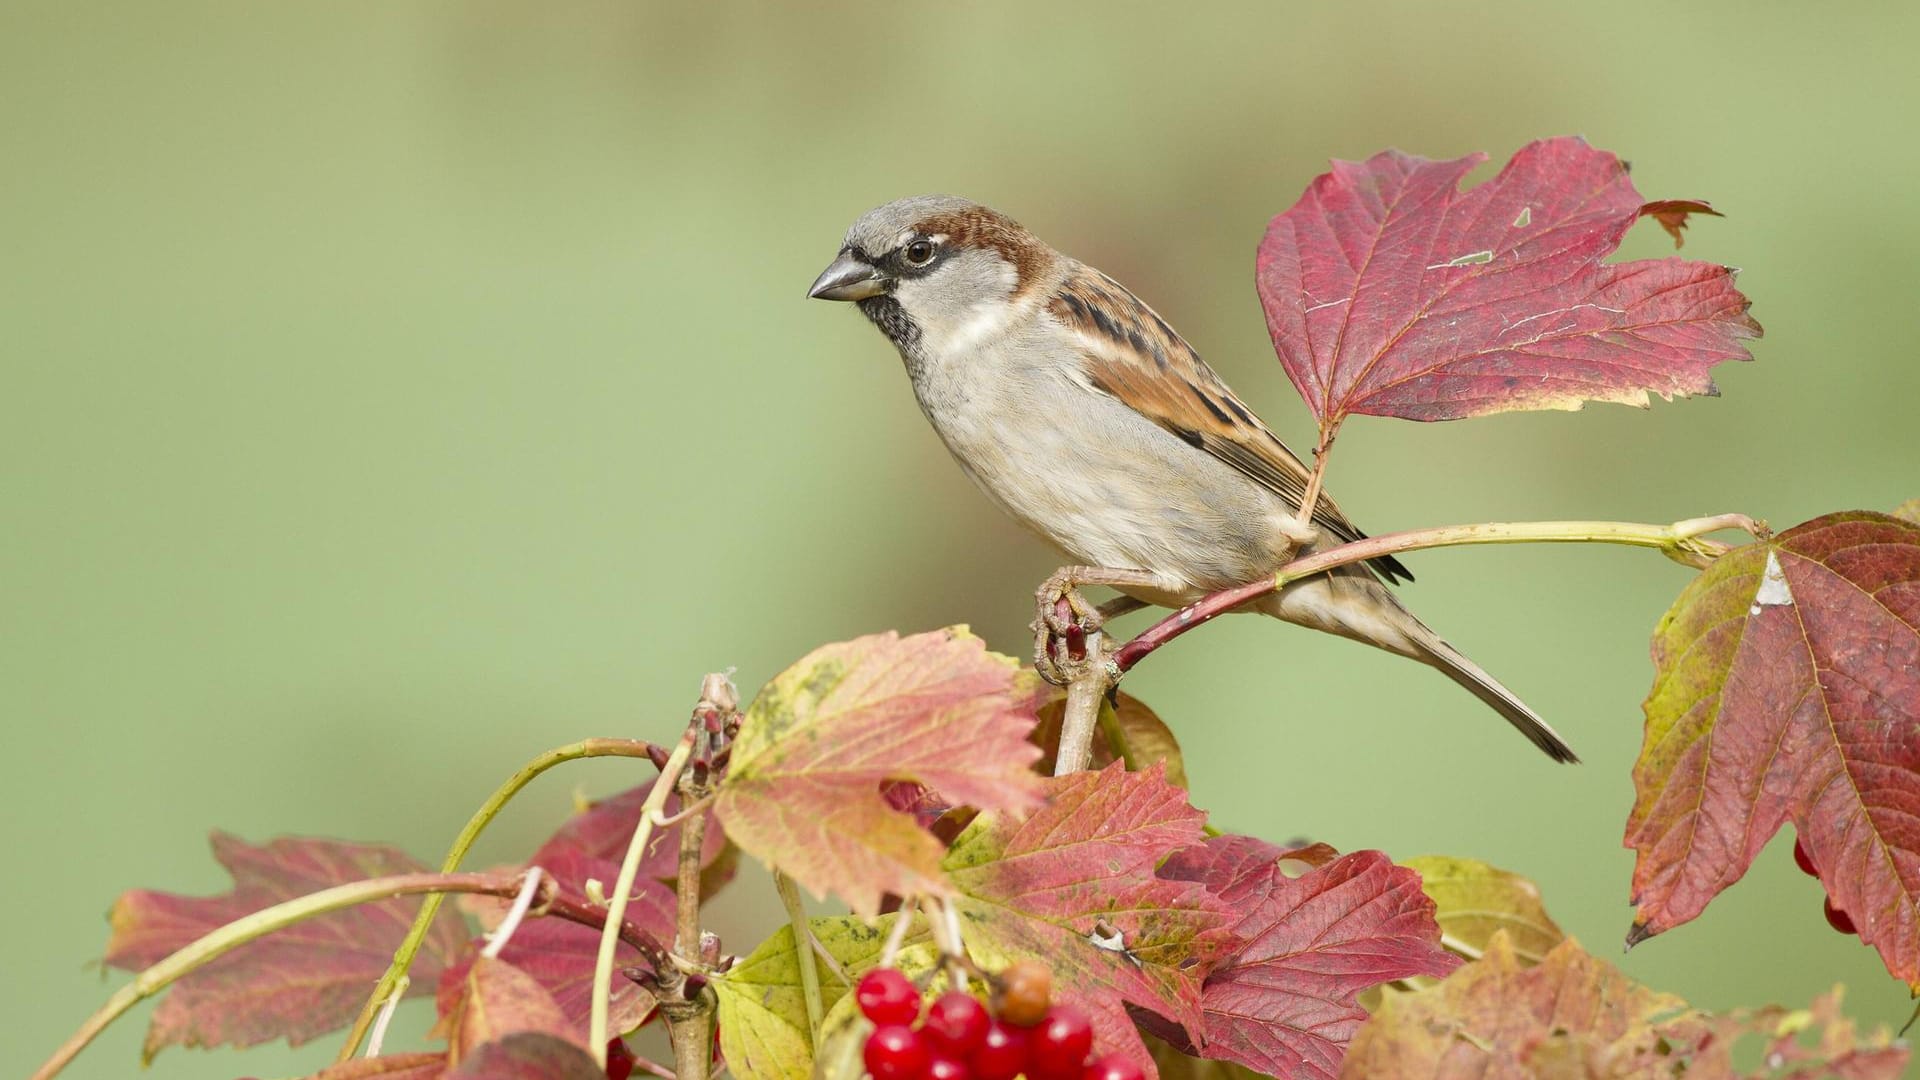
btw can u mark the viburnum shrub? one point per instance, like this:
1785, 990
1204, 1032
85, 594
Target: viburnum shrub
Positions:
1087, 925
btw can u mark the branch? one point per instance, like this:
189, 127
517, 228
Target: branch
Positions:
1089, 680
686, 1003
197, 954
1683, 541
410, 945
1310, 499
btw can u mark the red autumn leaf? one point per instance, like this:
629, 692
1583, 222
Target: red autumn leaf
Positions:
497, 999
296, 983
418, 1066
605, 827
1390, 292
1307, 944
803, 793
529, 1055
1787, 688
1672, 215
1576, 1016
1072, 884
559, 955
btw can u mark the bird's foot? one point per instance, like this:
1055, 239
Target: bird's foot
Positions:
1064, 620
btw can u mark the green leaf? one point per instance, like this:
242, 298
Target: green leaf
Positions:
763, 1013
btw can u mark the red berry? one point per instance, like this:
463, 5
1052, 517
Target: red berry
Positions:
895, 1052
957, 1021
1839, 920
944, 1066
1060, 1044
1803, 860
1002, 1053
1113, 1067
619, 1060
886, 997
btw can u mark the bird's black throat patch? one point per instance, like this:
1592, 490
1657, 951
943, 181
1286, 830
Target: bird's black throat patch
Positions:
886, 313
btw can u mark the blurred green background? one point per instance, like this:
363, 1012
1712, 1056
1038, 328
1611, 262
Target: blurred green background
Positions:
395, 390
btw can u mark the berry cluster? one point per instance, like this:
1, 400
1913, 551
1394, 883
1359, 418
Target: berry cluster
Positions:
1835, 917
958, 1039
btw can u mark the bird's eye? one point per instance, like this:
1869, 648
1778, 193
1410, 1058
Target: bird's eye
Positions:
920, 252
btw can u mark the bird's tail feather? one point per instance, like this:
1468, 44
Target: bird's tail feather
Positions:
1457, 667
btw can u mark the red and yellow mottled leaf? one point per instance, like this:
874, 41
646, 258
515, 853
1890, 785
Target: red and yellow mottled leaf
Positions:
1787, 688
1390, 292
804, 790
295, 983
1574, 1016
1305, 946
1072, 884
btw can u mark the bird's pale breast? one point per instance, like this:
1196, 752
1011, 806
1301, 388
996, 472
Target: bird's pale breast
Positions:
1102, 483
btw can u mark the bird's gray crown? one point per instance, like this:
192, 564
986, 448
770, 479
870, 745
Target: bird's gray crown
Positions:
881, 229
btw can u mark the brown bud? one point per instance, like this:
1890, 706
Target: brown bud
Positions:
1026, 989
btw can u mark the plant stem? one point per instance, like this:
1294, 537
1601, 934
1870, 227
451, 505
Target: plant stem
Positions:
693, 836
1086, 690
410, 945
1682, 541
623, 891
1310, 500
802, 953
189, 958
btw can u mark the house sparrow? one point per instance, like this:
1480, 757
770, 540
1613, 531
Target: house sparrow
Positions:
1085, 416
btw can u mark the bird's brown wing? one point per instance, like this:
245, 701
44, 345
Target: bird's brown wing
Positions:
1134, 356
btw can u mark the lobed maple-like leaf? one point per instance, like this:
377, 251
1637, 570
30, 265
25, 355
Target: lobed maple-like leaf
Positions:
298, 982
1577, 1017
1389, 291
803, 792
1072, 884
1473, 900
1787, 688
1306, 945
559, 955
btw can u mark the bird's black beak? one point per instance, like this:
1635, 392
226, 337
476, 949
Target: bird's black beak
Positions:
848, 277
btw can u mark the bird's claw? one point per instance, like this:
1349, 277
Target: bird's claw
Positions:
1062, 622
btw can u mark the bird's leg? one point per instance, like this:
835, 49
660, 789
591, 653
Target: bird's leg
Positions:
1299, 537
1063, 618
